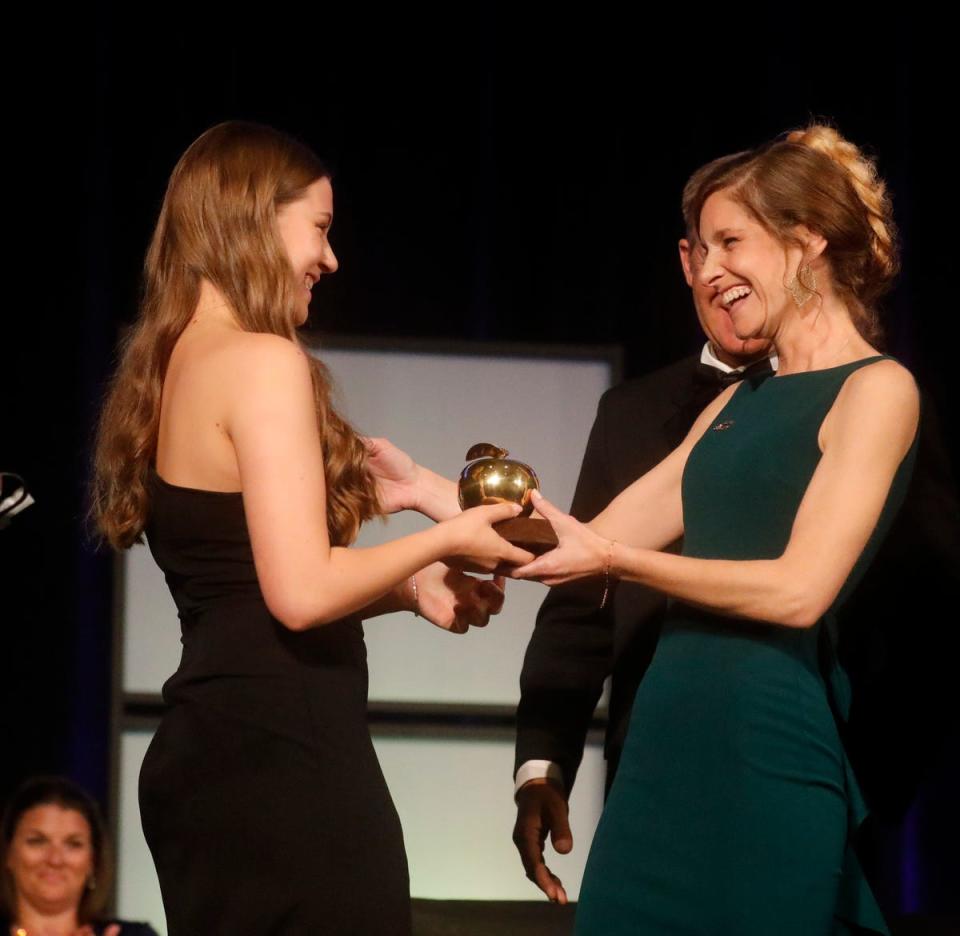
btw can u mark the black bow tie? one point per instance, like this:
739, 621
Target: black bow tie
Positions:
707, 374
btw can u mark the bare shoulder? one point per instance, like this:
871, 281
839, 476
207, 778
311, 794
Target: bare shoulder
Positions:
256, 363
261, 377
886, 384
227, 356
256, 351
878, 402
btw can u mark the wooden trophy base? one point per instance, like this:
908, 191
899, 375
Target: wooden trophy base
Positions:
534, 535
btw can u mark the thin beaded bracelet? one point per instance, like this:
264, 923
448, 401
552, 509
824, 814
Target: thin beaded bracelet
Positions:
416, 596
606, 574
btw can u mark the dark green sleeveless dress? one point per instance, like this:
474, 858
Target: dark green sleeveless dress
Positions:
734, 804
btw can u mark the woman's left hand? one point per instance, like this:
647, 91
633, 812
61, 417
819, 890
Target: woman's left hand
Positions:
579, 554
454, 601
396, 474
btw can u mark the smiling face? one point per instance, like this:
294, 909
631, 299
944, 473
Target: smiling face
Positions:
714, 318
51, 858
745, 269
304, 225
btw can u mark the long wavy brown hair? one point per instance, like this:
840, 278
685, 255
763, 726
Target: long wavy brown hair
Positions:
218, 223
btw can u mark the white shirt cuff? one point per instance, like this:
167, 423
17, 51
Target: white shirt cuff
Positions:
534, 770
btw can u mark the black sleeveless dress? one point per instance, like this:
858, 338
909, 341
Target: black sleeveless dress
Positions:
261, 796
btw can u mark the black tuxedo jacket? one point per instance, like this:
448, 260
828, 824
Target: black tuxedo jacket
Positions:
897, 638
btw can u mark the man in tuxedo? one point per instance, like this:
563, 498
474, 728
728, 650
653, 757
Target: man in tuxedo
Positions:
576, 644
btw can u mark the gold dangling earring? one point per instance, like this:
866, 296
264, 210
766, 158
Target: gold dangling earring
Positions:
803, 286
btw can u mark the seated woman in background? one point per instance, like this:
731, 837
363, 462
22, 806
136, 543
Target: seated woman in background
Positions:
57, 864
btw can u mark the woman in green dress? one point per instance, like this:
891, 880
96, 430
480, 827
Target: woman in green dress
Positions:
734, 806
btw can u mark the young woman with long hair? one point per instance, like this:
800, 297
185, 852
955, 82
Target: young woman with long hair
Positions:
261, 797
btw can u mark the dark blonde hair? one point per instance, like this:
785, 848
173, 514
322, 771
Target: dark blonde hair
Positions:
816, 178
58, 791
218, 223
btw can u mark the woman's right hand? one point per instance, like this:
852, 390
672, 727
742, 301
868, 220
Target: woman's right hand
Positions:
580, 552
476, 546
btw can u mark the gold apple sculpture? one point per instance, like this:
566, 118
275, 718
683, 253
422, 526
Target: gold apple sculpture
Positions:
492, 478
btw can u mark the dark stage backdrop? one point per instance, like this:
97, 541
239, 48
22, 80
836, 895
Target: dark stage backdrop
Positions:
497, 178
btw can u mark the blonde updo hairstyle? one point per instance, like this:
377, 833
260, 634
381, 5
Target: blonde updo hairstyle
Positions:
218, 223
816, 178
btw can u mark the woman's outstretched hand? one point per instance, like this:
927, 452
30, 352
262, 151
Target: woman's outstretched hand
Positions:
455, 601
478, 547
396, 474
580, 552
